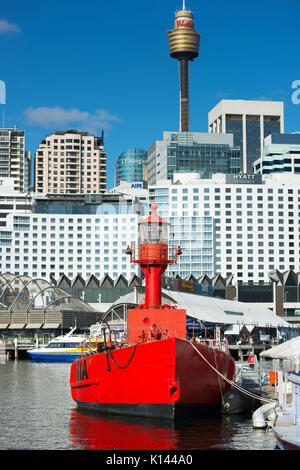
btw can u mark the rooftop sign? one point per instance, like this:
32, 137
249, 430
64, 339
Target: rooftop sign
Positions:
243, 178
194, 288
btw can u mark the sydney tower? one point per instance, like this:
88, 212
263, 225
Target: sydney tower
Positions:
184, 46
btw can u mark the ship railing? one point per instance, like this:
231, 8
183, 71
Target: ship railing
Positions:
173, 252
221, 344
87, 348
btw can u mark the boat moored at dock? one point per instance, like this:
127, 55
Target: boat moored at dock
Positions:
286, 425
64, 348
157, 372
167, 378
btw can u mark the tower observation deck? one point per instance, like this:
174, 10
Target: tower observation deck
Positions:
184, 46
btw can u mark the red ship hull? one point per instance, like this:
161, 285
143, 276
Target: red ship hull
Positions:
166, 378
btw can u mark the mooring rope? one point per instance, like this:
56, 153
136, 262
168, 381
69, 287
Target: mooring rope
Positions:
234, 384
123, 366
219, 381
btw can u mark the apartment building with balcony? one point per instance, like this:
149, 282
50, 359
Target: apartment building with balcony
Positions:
14, 159
70, 162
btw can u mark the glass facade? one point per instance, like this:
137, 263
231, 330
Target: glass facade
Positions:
193, 233
205, 159
254, 138
235, 127
255, 293
253, 142
192, 152
271, 127
129, 166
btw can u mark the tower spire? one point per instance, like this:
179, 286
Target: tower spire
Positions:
184, 46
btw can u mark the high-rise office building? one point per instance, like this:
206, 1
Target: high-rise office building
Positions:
70, 162
14, 159
281, 154
192, 152
130, 166
250, 122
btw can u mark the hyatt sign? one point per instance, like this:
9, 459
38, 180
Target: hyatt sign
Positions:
243, 178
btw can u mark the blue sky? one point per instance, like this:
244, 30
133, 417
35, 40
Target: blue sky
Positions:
104, 64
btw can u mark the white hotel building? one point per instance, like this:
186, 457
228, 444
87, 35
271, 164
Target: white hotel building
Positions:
240, 225
244, 225
49, 236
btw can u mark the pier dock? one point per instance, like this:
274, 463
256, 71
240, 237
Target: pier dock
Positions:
239, 351
15, 350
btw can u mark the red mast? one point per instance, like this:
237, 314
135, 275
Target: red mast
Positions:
151, 320
153, 255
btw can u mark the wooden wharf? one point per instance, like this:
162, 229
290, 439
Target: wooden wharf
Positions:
15, 351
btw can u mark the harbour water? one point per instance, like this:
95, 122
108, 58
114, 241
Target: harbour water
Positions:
38, 413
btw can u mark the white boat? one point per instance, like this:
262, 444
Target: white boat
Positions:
116, 333
263, 415
65, 348
286, 425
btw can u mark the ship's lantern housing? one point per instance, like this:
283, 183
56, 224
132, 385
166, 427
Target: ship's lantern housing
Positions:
154, 229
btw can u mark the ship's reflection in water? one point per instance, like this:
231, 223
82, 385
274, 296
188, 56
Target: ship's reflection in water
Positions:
95, 431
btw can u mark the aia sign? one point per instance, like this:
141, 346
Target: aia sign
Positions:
81, 371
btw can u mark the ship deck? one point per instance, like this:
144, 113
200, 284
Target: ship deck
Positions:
286, 430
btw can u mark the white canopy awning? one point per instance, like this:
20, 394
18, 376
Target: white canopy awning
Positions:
288, 350
48, 326
236, 328
217, 311
249, 327
233, 330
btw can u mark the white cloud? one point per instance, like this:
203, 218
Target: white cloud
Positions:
6, 27
60, 118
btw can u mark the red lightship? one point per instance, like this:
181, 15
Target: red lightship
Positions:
158, 372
